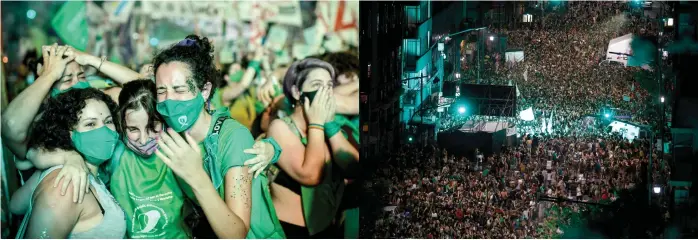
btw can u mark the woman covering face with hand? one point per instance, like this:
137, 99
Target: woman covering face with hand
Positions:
206, 150
309, 187
80, 119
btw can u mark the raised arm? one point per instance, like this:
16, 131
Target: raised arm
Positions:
21, 112
303, 163
116, 72
43, 159
234, 89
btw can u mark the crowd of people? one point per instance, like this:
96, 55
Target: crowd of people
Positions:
437, 195
565, 67
183, 148
567, 152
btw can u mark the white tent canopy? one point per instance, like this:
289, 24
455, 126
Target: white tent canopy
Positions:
619, 49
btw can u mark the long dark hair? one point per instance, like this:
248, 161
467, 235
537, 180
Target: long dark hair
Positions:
197, 53
52, 130
138, 94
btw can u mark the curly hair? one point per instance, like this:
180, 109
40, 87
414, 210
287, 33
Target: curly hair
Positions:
138, 94
299, 70
197, 53
52, 130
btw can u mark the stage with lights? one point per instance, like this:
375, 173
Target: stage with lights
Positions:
487, 136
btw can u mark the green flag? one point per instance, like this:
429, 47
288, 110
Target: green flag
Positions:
70, 23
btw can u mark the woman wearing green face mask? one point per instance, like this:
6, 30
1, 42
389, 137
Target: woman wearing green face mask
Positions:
206, 150
309, 187
136, 173
80, 119
62, 70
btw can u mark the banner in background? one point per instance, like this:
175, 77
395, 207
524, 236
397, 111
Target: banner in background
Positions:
118, 11
189, 9
286, 12
70, 23
277, 37
340, 18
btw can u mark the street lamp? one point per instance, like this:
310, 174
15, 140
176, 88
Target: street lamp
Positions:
461, 110
458, 76
657, 190
491, 38
661, 99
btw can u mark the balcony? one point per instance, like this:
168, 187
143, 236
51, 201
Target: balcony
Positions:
410, 63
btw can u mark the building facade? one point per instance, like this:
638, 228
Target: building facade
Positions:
380, 53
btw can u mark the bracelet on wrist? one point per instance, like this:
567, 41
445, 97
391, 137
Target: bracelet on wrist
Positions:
102, 59
316, 127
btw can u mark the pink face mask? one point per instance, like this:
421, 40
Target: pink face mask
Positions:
145, 150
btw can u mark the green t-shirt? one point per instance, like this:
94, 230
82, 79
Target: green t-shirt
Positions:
233, 139
149, 194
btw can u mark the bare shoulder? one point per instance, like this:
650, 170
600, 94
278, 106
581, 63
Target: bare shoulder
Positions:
278, 128
47, 196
